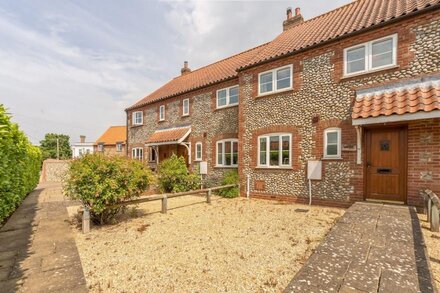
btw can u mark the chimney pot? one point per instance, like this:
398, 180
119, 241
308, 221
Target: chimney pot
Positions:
82, 138
185, 69
297, 11
289, 12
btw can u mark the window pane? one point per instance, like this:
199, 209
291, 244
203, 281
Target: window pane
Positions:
332, 149
221, 98
355, 60
382, 53
283, 78
235, 153
233, 95
228, 153
220, 153
332, 137
263, 150
274, 150
286, 150
185, 107
266, 82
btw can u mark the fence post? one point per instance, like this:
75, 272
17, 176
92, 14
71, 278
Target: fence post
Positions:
435, 219
208, 197
164, 204
86, 220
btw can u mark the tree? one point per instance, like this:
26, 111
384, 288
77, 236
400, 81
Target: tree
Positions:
48, 146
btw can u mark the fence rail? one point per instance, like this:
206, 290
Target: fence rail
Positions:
163, 197
432, 208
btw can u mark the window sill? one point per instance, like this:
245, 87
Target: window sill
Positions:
274, 168
198, 160
226, 107
348, 76
274, 92
160, 121
331, 158
136, 125
225, 167
186, 115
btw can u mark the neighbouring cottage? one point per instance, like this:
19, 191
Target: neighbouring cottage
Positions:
356, 89
82, 147
112, 142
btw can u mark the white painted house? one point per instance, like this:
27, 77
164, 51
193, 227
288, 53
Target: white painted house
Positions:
82, 147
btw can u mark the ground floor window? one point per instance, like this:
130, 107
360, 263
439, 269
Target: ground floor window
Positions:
274, 150
137, 153
100, 147
332, 143
227, 153
119, 146
198, 151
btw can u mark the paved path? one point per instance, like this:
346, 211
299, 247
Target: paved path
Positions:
373, 248
37, 248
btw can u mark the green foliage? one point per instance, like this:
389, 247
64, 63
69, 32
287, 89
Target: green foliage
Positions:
97, 181
174, 176
230, 177
48, 146
20, 164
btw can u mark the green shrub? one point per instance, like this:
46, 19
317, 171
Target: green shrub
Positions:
20, 164
230, 177
97, 181
174, 176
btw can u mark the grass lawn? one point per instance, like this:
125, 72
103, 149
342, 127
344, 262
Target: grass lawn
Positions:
232, 245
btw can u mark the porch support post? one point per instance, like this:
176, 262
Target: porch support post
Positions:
359, 144
188, 147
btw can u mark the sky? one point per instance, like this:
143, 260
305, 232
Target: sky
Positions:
72, 67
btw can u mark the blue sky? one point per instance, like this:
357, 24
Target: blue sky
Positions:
73, 66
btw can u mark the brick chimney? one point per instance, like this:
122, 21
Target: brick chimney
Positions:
292, 20
82, 138
185, 69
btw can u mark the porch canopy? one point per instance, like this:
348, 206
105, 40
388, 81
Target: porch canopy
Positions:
175, 135
404, 101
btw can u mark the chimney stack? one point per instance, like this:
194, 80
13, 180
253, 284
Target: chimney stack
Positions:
82, 138
292, 21
185, 69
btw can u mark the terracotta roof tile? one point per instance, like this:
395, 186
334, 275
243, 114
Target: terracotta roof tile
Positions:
218, 71
168, 135
349, 18
113, 135
423, 97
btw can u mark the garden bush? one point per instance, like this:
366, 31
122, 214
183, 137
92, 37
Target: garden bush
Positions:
230, 177
174, 176
98, 181
20, 164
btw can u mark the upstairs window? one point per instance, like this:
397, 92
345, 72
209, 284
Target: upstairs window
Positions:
162, 113
185, 107
137, 118
198, 151
227, 97
332, 143
370, 56
227, 153
137, 153
274, 150
119, 146
275, 80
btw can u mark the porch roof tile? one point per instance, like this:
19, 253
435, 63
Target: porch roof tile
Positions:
168, 135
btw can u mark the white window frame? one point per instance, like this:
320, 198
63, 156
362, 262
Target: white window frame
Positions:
280, 163
185, 113
162, 113
197, 157
368, 56
137, 153
339, 143
134, 119
274, 80
150, 154
232, 140
100, 147
228, 103
119, 147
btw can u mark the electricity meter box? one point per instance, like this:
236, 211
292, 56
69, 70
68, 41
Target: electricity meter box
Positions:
314, 170
203, 168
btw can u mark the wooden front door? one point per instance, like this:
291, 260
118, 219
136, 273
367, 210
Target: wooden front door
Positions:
386, 174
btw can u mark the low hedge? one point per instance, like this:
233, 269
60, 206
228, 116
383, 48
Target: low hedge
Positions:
20, 164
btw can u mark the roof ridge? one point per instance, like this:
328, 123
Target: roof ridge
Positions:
224, 59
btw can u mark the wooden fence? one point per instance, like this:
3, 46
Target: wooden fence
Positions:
163, 197
432, 208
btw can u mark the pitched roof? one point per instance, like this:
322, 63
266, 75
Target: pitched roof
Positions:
204, 76
113, 135
353, 17
412, 98
171, 135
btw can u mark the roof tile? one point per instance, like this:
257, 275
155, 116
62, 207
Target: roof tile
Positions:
113, 135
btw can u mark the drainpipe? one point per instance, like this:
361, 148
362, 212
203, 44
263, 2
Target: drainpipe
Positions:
248, 185
310, 191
